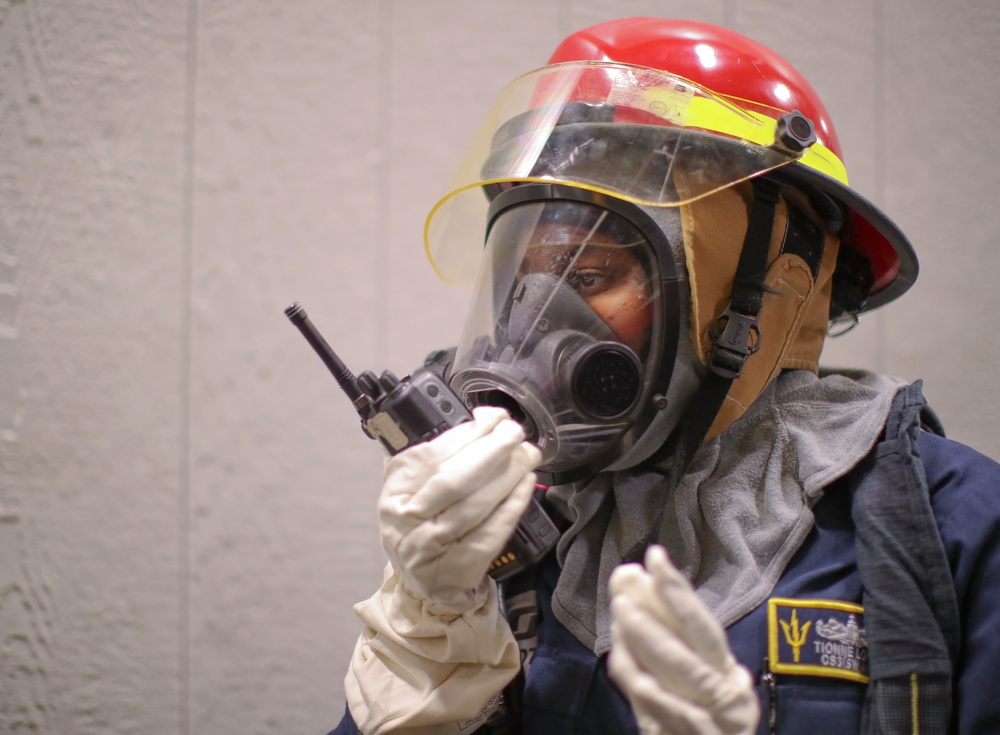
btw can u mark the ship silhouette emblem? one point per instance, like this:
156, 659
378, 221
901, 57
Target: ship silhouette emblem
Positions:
849, 633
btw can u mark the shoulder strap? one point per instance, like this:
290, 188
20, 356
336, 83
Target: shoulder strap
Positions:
911, 610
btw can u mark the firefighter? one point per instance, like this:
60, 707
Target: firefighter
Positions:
659, 231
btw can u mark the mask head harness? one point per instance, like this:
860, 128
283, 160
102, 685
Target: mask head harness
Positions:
736, 333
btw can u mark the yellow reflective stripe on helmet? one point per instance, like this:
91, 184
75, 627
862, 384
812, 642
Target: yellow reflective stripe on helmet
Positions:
821, 158
712, 115
717, 117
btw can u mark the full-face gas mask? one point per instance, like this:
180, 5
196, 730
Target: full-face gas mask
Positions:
573, 325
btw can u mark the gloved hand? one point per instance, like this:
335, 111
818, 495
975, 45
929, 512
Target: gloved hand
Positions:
449, 505
435, 650
670, 657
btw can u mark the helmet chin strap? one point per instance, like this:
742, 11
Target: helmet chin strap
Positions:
735, 337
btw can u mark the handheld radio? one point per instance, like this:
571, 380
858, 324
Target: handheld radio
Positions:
400, 412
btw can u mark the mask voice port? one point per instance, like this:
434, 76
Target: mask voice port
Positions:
502, 399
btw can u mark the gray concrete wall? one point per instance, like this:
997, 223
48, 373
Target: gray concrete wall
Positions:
186, 502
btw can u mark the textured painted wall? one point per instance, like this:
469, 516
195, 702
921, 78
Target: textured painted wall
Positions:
186, 500
92, 362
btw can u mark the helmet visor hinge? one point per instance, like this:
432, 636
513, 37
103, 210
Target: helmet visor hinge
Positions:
794, 132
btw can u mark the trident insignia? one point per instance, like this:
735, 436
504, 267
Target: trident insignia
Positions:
796, 638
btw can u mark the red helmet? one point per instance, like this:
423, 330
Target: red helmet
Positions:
753, 77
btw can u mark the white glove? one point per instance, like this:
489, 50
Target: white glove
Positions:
670, 657
435, 650
449, 505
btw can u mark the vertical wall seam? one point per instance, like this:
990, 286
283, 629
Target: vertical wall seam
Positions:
565, 19
383, 189
879, 61
186, 337
729, 14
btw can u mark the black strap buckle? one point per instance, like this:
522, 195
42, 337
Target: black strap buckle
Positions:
735, 337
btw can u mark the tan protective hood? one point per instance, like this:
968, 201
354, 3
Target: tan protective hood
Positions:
796, 306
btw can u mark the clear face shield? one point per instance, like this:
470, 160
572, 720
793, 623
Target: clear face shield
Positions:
573, 324
637, 134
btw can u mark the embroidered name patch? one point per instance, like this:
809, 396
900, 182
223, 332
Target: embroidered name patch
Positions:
817, 638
